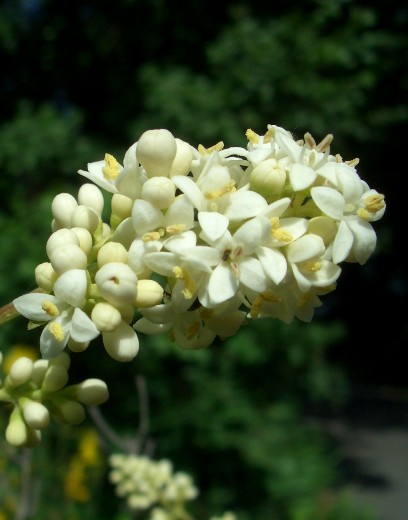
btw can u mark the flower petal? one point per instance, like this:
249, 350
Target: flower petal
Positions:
223, 284
82, 327
31, 306
71, 287
273, 262
329, 200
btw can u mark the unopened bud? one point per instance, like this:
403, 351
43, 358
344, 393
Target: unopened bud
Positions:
59, 238
156, 150
122, 344
91, 196
36, 415
106, 317
84, 239
117, 283
68, 256
159, 191
149, 293
45, 276
85, 217
184, 157
92, 392
16, 431
268, 178
71, 412
62, 207
55, 378
20, 371
112, 252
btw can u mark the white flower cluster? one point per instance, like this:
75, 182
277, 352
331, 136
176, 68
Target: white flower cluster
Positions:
199, 240
37, 391
150, 485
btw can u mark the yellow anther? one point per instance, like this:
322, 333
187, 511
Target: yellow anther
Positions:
112, 168
353, 162
175, 229
193, 329
364, 214
50, 308
207, 151
281, 235
374, 203
152, 235
216, 194
56, 330
269, 135
325, 143
252, 136
266, 296
310, 142
189, 283
312, 266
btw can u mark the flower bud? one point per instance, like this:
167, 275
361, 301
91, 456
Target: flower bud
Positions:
36, 415
85, 241
156, 150
92, 392
268, 178
91, 196
20, 371
106, 317
16, 431
149, 293
68, 256
112, 252
85, 217
39, 371
45, 276
62, 208
121, 206
71, 412
76, 346
62, 360
59, 238
122, 344
117, 283
159, 191
184, 157
55, 378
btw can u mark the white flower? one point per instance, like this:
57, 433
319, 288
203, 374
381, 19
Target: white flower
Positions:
353, 207
62, 312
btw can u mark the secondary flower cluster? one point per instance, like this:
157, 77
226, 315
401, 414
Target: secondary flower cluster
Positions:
37, 390
198, 240
152, 486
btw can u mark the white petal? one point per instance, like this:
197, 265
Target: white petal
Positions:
162, 262
147, 327
252, 234
181, 212
82, 327
304, 248
95, 175
295, 226
191, 190
213, 224
276, 208
365, 239
223, 284
244, 204
329, 201
304, 283
201, 257
49, 346
30, 306
343, 243
128, 183
252, 275
122, 344
124, 233
145, 217
71, 287
177, 243
301, 176
326, 275
273, 263
349, 183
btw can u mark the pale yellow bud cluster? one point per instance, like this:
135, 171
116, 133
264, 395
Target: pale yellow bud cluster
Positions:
37, 392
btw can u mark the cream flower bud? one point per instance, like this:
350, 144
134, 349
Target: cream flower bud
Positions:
36, 415
159, 191
84, 238
106, 230
77, 346
59, 238
71, 412
85, 217
156, 150
149, 293
106, 317
122, 344
184, 157
268, 178
112, 252
55, 378
68, 256
117, 283
92, 392
62, 207
20, 371
91, 196
16, 431
121, 206
39, 371
45, 276
62, 360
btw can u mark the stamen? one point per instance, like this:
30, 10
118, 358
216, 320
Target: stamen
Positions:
252, 136
207, 151
112, 168
50, 308
325, 143
56, 330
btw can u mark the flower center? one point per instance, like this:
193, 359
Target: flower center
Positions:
111, 169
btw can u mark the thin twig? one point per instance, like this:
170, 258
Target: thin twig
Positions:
143, 429
105, 429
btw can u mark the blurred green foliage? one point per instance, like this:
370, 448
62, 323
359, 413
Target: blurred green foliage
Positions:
83, 78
